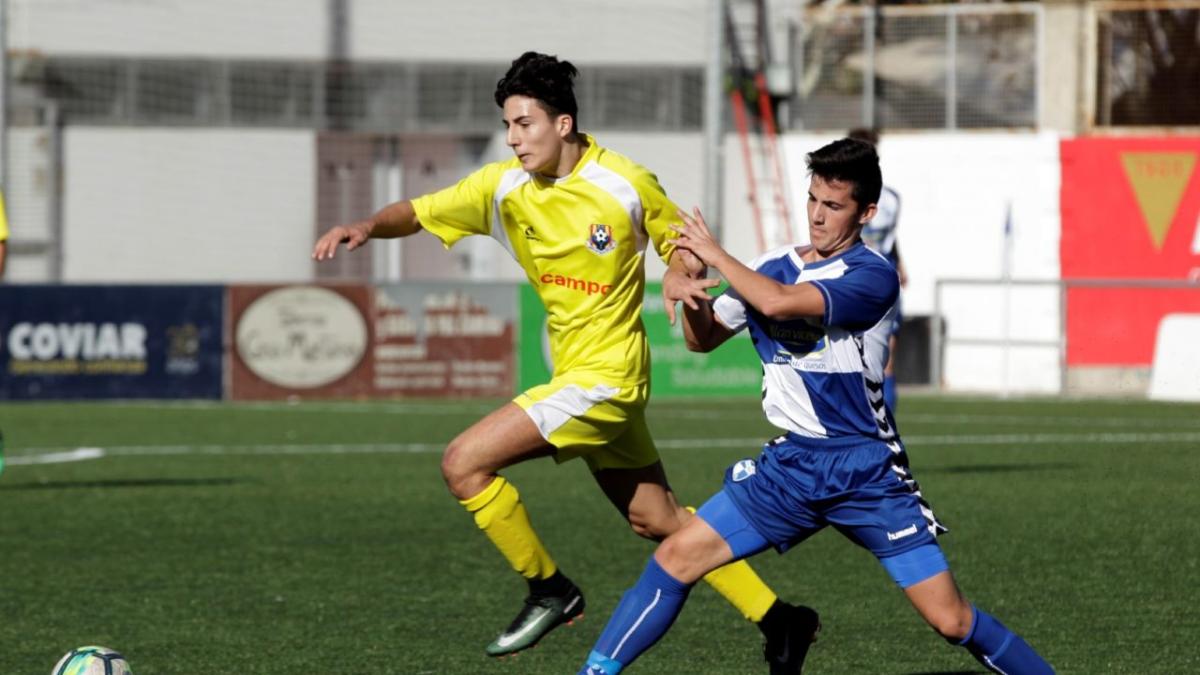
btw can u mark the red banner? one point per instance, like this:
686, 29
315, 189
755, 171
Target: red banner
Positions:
1130, 210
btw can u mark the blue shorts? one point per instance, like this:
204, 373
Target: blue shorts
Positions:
861, 486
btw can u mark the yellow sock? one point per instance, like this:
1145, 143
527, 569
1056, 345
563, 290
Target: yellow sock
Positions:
501, 515
738, 583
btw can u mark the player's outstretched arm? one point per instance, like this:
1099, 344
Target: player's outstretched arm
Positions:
394, 220
772, 299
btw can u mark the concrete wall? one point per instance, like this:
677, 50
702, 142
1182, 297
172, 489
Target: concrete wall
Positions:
165, 28
583, 31
188, 206
666, 32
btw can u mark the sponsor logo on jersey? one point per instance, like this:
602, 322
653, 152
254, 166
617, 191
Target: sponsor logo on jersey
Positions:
582, 285
600, 239
743, 470
906, 532
797, 337
531, 234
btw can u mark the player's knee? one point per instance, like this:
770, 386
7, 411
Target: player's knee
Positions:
646, 528
953, 624
642, 530
674, 556
458, 471
654, 526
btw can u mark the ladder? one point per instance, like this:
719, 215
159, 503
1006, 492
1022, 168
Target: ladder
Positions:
758, 131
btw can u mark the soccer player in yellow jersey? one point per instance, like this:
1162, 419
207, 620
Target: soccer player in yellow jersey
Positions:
3, 235
578, 218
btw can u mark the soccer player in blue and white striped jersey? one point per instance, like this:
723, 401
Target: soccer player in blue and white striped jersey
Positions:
818, 318
880, 234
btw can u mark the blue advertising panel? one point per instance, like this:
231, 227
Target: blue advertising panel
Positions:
71, 342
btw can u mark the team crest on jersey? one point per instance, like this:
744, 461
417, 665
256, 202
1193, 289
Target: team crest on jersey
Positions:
742, 470
600, 239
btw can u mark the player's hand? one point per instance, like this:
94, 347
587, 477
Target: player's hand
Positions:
352, 235
678, 286
694, 266
695, 236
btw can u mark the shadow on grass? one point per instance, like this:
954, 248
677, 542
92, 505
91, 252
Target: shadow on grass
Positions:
997, 468
126, 483
948, 672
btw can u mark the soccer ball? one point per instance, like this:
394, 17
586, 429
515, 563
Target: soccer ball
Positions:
92, 661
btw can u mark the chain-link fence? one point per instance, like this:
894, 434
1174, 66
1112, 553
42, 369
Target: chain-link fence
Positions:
917, 67
361, 96
1147, 63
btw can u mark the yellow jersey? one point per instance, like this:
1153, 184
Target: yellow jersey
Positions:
580, 239
3, 219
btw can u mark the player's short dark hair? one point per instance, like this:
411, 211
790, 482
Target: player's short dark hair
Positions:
865, 134
852, 161
544, 78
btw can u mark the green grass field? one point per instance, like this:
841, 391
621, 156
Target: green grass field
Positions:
318, 538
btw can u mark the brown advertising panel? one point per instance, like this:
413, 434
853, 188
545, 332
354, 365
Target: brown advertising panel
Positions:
300, 342
415, 340
445, 340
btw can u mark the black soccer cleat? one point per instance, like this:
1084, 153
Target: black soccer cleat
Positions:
540, 615
793, 631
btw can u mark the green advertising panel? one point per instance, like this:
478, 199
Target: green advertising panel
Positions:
733, 369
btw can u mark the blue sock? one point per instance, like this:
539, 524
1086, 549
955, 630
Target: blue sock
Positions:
889, 392
645, 613
1000, 649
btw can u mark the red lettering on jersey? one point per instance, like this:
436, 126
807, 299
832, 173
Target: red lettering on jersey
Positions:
583, 285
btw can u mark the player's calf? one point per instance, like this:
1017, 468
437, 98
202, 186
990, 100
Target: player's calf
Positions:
1000, 649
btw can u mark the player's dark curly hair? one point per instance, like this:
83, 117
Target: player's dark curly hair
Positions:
854, 162
544, 78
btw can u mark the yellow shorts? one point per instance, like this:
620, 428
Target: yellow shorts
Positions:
582, 416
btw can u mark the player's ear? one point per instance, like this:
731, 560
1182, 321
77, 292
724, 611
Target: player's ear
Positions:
563, 124
867, 214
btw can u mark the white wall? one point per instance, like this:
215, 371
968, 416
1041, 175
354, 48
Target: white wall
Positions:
27, 201
664, 31
582, 31
156, 205
171, 28
239, 205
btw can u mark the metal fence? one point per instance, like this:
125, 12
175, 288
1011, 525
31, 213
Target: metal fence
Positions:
360, 96
917, 67
1146, 64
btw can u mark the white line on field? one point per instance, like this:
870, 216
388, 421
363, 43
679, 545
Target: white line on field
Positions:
76, 455
51, 455
666, 411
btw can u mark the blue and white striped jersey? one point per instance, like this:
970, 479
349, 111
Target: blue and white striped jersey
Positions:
880, 232
823, 377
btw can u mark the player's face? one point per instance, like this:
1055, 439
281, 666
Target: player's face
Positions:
536, 137
834, 217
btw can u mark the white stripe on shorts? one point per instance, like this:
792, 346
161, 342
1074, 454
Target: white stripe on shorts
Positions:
569, 402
